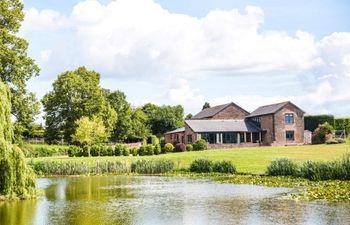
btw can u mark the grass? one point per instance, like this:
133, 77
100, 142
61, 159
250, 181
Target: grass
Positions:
247, 160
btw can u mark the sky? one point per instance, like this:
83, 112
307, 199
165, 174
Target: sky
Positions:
189, 52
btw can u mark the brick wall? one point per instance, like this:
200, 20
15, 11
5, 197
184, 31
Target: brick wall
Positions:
174, 137
189, 131
230, 112
267, 125
281, 127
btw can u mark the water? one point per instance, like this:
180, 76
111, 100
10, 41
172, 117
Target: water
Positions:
164, 200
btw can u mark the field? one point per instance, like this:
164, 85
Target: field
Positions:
246, 160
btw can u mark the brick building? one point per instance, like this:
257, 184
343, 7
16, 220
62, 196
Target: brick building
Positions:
229, 126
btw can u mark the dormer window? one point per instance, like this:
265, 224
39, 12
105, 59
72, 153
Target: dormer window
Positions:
289, 118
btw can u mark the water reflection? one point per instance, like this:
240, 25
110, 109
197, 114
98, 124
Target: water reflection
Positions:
164, 200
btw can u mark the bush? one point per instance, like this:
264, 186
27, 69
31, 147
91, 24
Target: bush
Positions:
110, 151
126, 152
153, 140
85, 151
119, 149
282, 167
201, 166
180, 147
319, 136
149, 149
224, 166
73, 151
142, 150
168, 147
95, 150
43, 150
200, 145
157, 149
152, 166
134, 151
189, 147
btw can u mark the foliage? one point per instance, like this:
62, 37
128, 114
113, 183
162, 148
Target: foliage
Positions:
312, 122
16, 67
149, 149
75, 94
319, 136
188, 116
142, 150
201, 166
152, 166
200, 144
119, 149
16, 179
162, 119
206, 105
43, 150
134, 151
342, 124
126, 152
168, 147
189, 147
224, 166
282, 167
157, 149
65, 167
89, 132
180, 147
73, 151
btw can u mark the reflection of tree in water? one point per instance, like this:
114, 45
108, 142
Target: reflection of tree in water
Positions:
17, 212
87, 201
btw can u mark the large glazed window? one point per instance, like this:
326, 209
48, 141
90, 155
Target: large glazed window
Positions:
209, 137
289, 118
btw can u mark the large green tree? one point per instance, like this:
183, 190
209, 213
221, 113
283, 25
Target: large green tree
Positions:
163, 118
16, 179
89, 131
131, 123
75, 94
16, 67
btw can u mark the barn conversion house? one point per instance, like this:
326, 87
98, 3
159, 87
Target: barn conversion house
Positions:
229, 126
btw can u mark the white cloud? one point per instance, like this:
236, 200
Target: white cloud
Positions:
45, 55
142, 39
47, 19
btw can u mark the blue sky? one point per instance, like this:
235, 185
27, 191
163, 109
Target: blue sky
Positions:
188, 52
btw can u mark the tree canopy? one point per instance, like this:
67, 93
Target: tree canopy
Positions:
16, 67
206, 105
162, 119
89, 132
75, 94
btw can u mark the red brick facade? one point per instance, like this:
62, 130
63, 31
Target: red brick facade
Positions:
274, 128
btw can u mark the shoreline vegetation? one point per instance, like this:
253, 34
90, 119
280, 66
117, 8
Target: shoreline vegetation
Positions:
222, 171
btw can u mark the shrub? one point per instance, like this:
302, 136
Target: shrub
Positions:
319, 136
157, 149
168, 147
95, 150
152, 166
189, 147
201, 166
224, 166
85, 151
180, 147
119, 149
200, 144
73, 151
149, 149
110, 151
134, 151
153, 140
282, 167
126, 152
142, 150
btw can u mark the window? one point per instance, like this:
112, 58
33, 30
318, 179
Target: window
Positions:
229, 138
290, 135
209, 137
189, 139
248, 137
289, 118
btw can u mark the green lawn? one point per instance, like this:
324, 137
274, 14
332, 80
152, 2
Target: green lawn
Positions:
250, 160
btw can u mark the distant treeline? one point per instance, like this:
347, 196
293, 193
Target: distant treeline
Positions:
312, 122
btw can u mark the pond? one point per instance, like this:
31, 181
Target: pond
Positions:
164, 200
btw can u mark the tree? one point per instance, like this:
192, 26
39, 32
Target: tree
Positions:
123, 125
89, 132
139, 129
189, 116
163, 118
75, 94
16, 67
206, 105
321, 133
16, 179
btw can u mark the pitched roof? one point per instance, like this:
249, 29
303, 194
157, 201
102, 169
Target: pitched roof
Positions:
178, 130
222, 126
270, 109
212, 111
